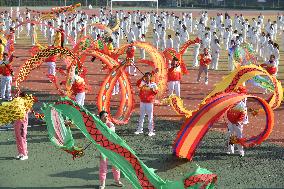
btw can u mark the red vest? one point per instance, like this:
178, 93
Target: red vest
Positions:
205, 60
52, 58
235, 115
6, 70
146, 94
174, 74
78, 88
130, 53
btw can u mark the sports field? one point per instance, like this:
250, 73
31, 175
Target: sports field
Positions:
48, 167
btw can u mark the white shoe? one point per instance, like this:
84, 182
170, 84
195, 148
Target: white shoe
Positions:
102, 187
138, 132
19, 156
206, 82
118, 184
229, 152
24, 158
151, 134
242, 153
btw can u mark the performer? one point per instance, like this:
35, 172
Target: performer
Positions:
104, 161
57, 39
196, 54
147, 93
2, 48
237, 117
6, 80
33, 34
205, 60
62, 36
130, 58
51, 63
21, 128
78, 88
216, 48
174, 77
270, 65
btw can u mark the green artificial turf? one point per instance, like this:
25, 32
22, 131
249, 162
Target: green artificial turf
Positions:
48, 167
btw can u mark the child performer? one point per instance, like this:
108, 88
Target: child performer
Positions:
21, 127
205, 60
104, 161
78, 88
237, 117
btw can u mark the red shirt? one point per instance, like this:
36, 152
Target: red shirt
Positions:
130, 53
146, 94
52, 58
205, 60
174, 74
6, 70
78, 88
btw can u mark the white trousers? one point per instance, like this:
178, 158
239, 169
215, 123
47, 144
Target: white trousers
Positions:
146, 108
163, 45
226, 43
156, 44
176, 47
237, 130
215, 61
80, 98
142, 53
115, 89
195, 58
132, 68
49, 40
174, 86
231, 65
6, 82
51, 68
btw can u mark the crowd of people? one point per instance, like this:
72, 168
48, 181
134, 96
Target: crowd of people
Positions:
166, 30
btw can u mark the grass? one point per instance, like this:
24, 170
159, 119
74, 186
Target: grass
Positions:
48, 167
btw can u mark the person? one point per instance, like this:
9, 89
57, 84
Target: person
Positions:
78, 90
130, 57
104, 161
147, 93
110, 45
270, 65
237, 117
142, 50
156, 39
21, 128
62, 36
231, 65
176, 42
205, 60
57, 39
216, 48
51, 64
174, 77
7, 72
169, 43
195, 55
33, 34
50, 33
2, 48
